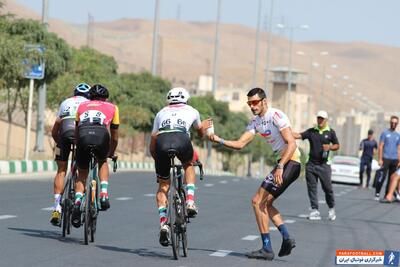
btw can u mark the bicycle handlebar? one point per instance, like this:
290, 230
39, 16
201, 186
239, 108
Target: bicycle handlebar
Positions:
195, 164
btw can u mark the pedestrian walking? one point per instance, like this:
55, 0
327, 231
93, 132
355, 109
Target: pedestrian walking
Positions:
368, 146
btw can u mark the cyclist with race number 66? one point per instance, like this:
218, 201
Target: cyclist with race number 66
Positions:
171, 131
97, 123
63, 134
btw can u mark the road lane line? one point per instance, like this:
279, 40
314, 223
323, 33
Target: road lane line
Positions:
124, 198
208, 185
3, 217
321, 201
221, 253
150, 195
273, 228
250, 237
236, 180
47, 209
223, 182
303, 215
289, 221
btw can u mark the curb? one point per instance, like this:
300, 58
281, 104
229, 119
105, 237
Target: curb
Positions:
38, 166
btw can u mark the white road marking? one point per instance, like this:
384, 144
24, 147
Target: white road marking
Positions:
221, 253
250, 237
208, 185
303, 216
3, 217
321, 201
338, 195
223, 182
124, 198
48, 208
236, 180
273, 228
150, 195
289, 221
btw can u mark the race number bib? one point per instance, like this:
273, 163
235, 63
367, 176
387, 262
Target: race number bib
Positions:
93, 117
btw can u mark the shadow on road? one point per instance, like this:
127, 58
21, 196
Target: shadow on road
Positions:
44, 234
144, 252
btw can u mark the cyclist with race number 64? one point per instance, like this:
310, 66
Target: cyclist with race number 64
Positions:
171, 131
63, 134
97, 123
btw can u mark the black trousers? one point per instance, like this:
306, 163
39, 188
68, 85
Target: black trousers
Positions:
322, 172
365, 165
389, 167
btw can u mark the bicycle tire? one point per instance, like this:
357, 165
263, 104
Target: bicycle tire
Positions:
184, 224
93, 213
66, 208
87, 217
172, 219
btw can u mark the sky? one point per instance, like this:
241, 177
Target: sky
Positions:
373, 21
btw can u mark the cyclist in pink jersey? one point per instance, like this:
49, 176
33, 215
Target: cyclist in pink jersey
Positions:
95, 121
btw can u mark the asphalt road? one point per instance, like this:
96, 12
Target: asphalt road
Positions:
225, 229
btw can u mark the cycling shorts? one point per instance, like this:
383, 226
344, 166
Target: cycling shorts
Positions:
63, 147
92, 135
172, 140
291, 172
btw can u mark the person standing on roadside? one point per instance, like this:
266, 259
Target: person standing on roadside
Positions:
322, 140
387, 154
368, 147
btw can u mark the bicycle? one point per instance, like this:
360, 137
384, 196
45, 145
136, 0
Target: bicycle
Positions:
177, 213
68, 196
91, 203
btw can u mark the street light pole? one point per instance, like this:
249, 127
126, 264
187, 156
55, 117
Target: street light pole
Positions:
269, 35
42, 91
155, 37
216, 49
255, 69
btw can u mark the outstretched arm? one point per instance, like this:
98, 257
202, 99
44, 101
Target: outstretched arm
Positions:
246, 138
296, 135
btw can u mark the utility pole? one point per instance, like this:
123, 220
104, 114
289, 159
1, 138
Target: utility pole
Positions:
90, 31
155, 37
216, 49
255, 67
269, 36
42, 91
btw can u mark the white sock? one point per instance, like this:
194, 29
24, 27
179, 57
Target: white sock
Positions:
57, 206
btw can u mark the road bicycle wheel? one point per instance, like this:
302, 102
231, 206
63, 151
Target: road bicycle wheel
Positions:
66, 209
93, 212
87, 217
172, 224
183, 215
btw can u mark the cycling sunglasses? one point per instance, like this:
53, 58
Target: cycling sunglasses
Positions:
254, 102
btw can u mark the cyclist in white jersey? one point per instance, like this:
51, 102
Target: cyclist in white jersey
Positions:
63, 132
274, 126
171, 131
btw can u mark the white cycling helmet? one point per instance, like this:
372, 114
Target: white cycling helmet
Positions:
178, 95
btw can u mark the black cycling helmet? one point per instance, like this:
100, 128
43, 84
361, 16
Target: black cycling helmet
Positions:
98, 91
82, 89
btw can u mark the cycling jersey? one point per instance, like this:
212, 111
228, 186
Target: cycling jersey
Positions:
67, 112
97, 112
269, 127
176, 118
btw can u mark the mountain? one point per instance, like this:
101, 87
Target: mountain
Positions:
187, 49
